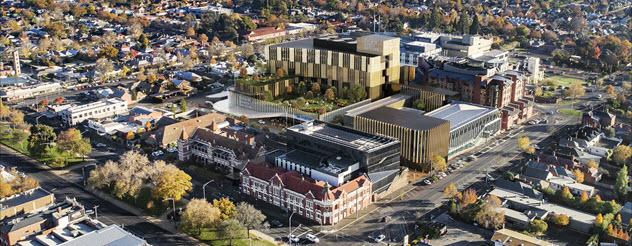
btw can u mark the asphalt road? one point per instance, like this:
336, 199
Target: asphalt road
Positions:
108, 213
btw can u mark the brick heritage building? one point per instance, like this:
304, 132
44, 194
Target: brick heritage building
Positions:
314, 200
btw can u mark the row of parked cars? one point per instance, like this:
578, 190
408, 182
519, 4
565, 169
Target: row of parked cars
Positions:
309, 237
440, 175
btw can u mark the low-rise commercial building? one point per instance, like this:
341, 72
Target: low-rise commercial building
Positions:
314, 200
506, 237
470, 124
421, 136
20, 92
106, 108
25, 202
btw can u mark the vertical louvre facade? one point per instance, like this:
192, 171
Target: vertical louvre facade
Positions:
370, 61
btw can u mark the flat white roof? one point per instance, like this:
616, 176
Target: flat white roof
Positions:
460, 113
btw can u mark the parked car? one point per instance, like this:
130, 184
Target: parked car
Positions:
100, 145
157, 153
294, 239
379, 238
276, 223
312, 238
172, 149
427, 182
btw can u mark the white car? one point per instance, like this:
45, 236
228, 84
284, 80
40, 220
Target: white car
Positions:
427, 182
312, 238
172, 149
379, 238
294, 239
261, 122
157, 153
100, 145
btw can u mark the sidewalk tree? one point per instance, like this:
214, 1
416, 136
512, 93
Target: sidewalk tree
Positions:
226, 207
621, 184
199, 214
249, 216
450, 190
469, 197
438, 163
71, 141
172, 183
524, 143
611, 90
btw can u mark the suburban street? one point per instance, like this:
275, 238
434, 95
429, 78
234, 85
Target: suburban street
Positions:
107, 212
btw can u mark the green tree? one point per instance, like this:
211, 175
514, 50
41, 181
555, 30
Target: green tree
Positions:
41, 137
419, 104
463, 25
172, 183
538, 227
476, 25
226, 207
231, 229
357, 93
621, 184
72, 142
183, 105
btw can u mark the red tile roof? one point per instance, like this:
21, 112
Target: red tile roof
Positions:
298, 183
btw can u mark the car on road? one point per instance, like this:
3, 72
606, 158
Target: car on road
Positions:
172, 149
442, 174
294, 238
427, 182
100, 145
378, 238
261, 122
312, 238
276, 223
157, 153
385, 219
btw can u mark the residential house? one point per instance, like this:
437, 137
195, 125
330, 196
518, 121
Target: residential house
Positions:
598, 119
170, 134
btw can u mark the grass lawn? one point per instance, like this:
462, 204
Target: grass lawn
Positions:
571, 112
213, 238
564, 80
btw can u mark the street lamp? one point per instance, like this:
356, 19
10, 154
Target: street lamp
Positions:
290, 231
96, 214
174, 208
83, 172
204, 188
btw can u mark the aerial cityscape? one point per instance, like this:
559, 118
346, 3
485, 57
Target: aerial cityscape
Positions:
315, 122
